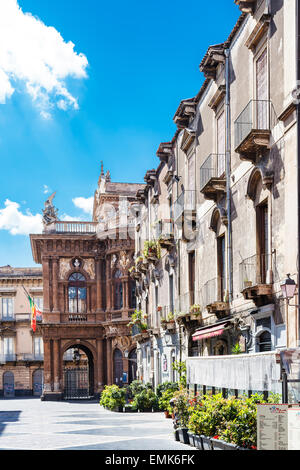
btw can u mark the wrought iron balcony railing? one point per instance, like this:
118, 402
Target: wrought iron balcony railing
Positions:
256, 121
214, 291
213, 167
185, 203
7, 358
255, 271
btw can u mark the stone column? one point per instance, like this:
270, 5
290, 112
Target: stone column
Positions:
56, 366
100, 364
55, 283
46, 281
109, 365
108, 285
47, 367
99, 284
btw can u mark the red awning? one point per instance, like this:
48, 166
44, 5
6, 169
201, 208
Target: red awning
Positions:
209, 332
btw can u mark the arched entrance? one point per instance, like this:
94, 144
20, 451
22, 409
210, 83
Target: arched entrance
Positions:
8, 385
78, 373
118, 367
37, 382
132, 366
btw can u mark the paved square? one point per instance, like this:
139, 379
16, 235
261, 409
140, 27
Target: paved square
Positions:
31, 424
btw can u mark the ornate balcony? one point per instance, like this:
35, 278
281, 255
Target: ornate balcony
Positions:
253, 129
73, 227
185, 206
212, 176
215, 297
165, 233
256, 278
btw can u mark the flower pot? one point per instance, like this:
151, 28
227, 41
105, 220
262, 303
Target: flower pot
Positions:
167, 414
176, 435
191, 439
218, 444
206, 443
183, 435
198, 442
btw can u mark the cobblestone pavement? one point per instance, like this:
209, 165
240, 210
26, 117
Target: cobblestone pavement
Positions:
32, 424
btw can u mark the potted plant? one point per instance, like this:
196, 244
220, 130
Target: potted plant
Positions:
146, 400
152, 250
113, 398
164, 402
181, 409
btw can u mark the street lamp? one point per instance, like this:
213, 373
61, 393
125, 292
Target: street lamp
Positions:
288, 288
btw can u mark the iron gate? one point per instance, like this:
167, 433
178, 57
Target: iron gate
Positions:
76, 383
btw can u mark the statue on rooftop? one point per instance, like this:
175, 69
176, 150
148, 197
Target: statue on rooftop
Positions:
50, 212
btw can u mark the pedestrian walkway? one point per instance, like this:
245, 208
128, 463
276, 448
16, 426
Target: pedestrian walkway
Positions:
32, 424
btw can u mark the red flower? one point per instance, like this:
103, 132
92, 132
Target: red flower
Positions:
216, 437
254, 447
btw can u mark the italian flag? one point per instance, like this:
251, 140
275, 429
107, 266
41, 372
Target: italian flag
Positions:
34, 312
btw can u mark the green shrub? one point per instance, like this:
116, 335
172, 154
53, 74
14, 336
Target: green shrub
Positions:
233, 420
112, 397
161, 388
164, 400
145, 400
137, 386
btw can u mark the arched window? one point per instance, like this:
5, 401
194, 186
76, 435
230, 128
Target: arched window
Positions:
118, 367
118, 290
132, 300
264, 341
77, 293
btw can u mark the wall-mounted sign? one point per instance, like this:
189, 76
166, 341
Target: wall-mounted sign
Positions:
165, 363
294, 428
272, 427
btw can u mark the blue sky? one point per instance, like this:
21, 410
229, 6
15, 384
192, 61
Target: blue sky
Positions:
139, 59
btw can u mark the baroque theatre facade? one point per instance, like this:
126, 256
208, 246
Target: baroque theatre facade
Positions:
89, 296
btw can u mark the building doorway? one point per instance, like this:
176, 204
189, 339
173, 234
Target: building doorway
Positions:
132, 366
8, 385
37, 382
118, 367
78, 373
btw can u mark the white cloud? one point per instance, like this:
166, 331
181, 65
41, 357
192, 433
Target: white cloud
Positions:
86, 204
46, 189
70, 218
36, 56
17, 222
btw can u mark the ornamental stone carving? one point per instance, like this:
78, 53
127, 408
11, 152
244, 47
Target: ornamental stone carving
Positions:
64, 267
89, 267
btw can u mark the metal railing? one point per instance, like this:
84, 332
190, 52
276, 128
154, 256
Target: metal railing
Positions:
257, 115
7, 358
213, 291
77, 317
164, 228
254, 270
187, 201
213, 167
75, 227
8, 318
30, 357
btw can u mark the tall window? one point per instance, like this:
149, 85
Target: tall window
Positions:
8, 346
192, 277
7, 307
77, 293
262, 92
262, 240
118, 290
38, 346
132, 294
221, 266
171, 293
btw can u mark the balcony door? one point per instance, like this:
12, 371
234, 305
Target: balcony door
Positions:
262, 94
262, 226
221, 145
221, 267
192, 277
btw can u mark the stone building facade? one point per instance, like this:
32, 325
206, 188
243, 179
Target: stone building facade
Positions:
88, 294
21, 349
226, 183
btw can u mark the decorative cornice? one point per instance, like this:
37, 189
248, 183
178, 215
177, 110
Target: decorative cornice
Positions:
185, 111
